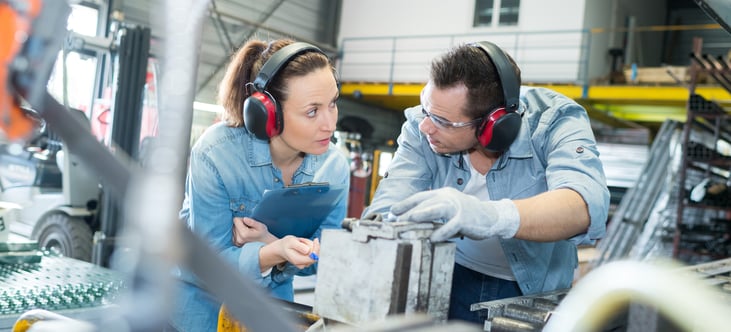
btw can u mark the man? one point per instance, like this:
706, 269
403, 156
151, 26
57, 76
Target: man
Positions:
514, 174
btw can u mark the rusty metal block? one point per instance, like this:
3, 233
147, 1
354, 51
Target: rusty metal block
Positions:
380, 269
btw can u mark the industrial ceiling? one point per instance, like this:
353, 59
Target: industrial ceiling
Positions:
231, 22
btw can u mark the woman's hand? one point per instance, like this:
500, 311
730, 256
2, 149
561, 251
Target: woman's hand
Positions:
295, 250
247, 230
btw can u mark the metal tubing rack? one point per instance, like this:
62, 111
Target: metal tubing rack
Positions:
531, 313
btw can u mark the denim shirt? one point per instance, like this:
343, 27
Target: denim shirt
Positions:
229, 171
555, 148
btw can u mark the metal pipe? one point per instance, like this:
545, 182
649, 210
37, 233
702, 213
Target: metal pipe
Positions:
619, 231
718, 70
607, 291
709, 68
505, 324
526, 313
545, 304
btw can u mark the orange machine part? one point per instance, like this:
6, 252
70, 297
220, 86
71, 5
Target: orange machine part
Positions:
14, 29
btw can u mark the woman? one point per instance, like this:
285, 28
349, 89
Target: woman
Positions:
287, 92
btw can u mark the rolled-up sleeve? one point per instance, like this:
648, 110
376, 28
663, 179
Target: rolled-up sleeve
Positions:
573, 163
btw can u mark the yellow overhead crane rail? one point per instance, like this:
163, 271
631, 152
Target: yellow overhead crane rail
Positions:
712, 26
636, 103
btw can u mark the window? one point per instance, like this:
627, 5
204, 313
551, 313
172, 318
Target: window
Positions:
72, 79
496, 12
509, 10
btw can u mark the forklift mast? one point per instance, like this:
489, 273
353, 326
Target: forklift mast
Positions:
133, 53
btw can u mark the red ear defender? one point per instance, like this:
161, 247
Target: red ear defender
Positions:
499, 129
261, 115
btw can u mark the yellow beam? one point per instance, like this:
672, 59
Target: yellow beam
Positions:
644, 113
629, 102
656, 94
381, 89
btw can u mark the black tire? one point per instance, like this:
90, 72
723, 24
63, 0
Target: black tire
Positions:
69, 236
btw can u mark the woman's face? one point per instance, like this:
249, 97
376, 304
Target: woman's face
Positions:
310, 113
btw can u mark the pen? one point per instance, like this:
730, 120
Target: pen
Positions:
313, 255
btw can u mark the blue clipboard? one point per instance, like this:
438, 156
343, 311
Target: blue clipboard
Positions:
298, 209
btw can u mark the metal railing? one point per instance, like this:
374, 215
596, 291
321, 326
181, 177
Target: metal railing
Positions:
543, 55
578, 57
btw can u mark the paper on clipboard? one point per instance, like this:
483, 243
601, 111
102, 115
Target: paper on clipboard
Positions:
299, 209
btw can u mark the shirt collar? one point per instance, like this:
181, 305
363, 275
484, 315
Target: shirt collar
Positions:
260, 155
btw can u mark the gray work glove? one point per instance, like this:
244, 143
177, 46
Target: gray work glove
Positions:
464, 214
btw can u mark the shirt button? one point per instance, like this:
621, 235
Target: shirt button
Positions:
580, 149
385, 175
242, 207
460, 181
276, 179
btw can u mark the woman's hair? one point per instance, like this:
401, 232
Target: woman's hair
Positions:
245, 66
470, 65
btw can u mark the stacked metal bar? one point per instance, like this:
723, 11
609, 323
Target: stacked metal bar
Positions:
524, 313
646, 200
531, 313
653, 218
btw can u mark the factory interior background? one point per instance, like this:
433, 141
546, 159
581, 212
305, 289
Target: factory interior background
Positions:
654, 77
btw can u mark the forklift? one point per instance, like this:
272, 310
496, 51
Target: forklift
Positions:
57, 199
61, 204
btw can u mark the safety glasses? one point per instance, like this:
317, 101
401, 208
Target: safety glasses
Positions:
442, 123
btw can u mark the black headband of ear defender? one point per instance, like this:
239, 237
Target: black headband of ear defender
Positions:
280, 58
501, 125
511, 88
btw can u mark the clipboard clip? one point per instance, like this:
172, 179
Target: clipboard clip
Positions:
320, 187
308, 184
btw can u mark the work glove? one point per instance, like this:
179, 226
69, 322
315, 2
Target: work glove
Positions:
463, 214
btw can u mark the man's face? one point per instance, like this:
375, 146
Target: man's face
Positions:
446, 127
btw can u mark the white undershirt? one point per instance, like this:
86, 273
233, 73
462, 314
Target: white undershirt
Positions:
484, 256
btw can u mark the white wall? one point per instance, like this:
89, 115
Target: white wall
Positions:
601, 14
374, 18
395, 40
546, 43
537, 15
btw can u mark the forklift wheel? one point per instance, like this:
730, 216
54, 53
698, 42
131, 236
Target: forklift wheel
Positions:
68, 236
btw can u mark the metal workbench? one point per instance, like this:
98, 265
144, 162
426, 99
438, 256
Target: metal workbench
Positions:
70, 287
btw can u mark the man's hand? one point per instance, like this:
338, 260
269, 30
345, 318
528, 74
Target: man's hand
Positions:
464, 214
247, 230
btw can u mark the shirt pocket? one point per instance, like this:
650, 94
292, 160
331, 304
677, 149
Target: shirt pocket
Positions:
518, 180
242, 207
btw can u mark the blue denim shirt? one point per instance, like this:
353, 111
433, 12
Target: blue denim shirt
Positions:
554, 149
229, 171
